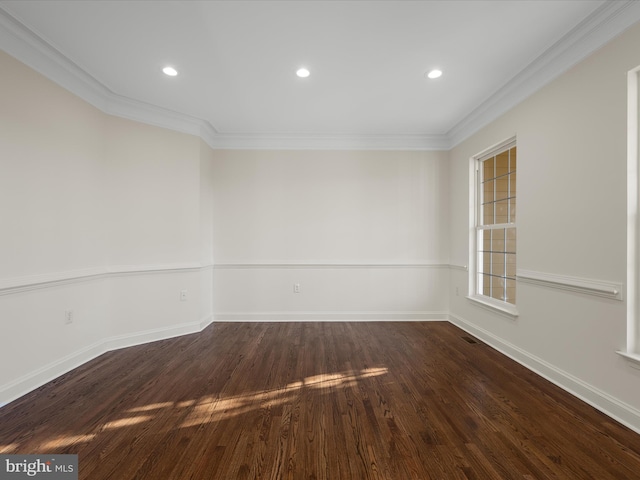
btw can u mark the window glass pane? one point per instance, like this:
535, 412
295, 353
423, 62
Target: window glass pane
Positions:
512, 210
512, 184
512, 159
511, 265
497, 264
486, 263
488, 191
497, 288
502, 187
502, 163
484, 243
511, 291
497, 240
511, 240
487, 214
488, 169
486, 285
502, 212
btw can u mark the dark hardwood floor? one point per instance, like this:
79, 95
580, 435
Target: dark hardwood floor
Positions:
318, 401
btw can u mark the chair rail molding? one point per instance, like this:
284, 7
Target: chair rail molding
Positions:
25, 283
600, 288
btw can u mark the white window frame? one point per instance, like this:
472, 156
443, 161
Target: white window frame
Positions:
632, 351
475, 204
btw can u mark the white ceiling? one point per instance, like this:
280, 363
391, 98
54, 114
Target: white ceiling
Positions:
237, 59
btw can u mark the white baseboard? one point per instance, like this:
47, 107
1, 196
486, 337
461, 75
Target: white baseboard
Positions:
607, 404
29, 382
328, 316
139, 338
25, 384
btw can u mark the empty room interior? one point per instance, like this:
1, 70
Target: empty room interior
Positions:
321, 239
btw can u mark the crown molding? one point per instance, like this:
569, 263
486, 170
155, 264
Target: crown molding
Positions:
608, 21
603, 25
20, 42
259, 141
143, 112
28, 47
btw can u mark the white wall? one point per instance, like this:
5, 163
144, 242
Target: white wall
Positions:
52, 210
153, 203
571, 140
153, 194
103, 216
364, 233
52, 176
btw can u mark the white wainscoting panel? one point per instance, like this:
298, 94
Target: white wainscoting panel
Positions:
330, 291
112, 308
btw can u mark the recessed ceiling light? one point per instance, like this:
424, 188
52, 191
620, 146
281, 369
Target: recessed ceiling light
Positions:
303, 73
434, 74
172, 72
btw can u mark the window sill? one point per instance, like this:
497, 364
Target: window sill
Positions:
632, 358
495, 305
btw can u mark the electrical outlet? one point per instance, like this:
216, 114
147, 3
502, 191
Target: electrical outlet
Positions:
296, 288
68, 317
183, 295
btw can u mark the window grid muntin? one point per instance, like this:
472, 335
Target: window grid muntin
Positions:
497, 284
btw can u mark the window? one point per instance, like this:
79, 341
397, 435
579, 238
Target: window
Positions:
632, 351
495, 226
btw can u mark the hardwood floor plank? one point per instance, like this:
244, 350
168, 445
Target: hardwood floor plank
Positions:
343, 400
